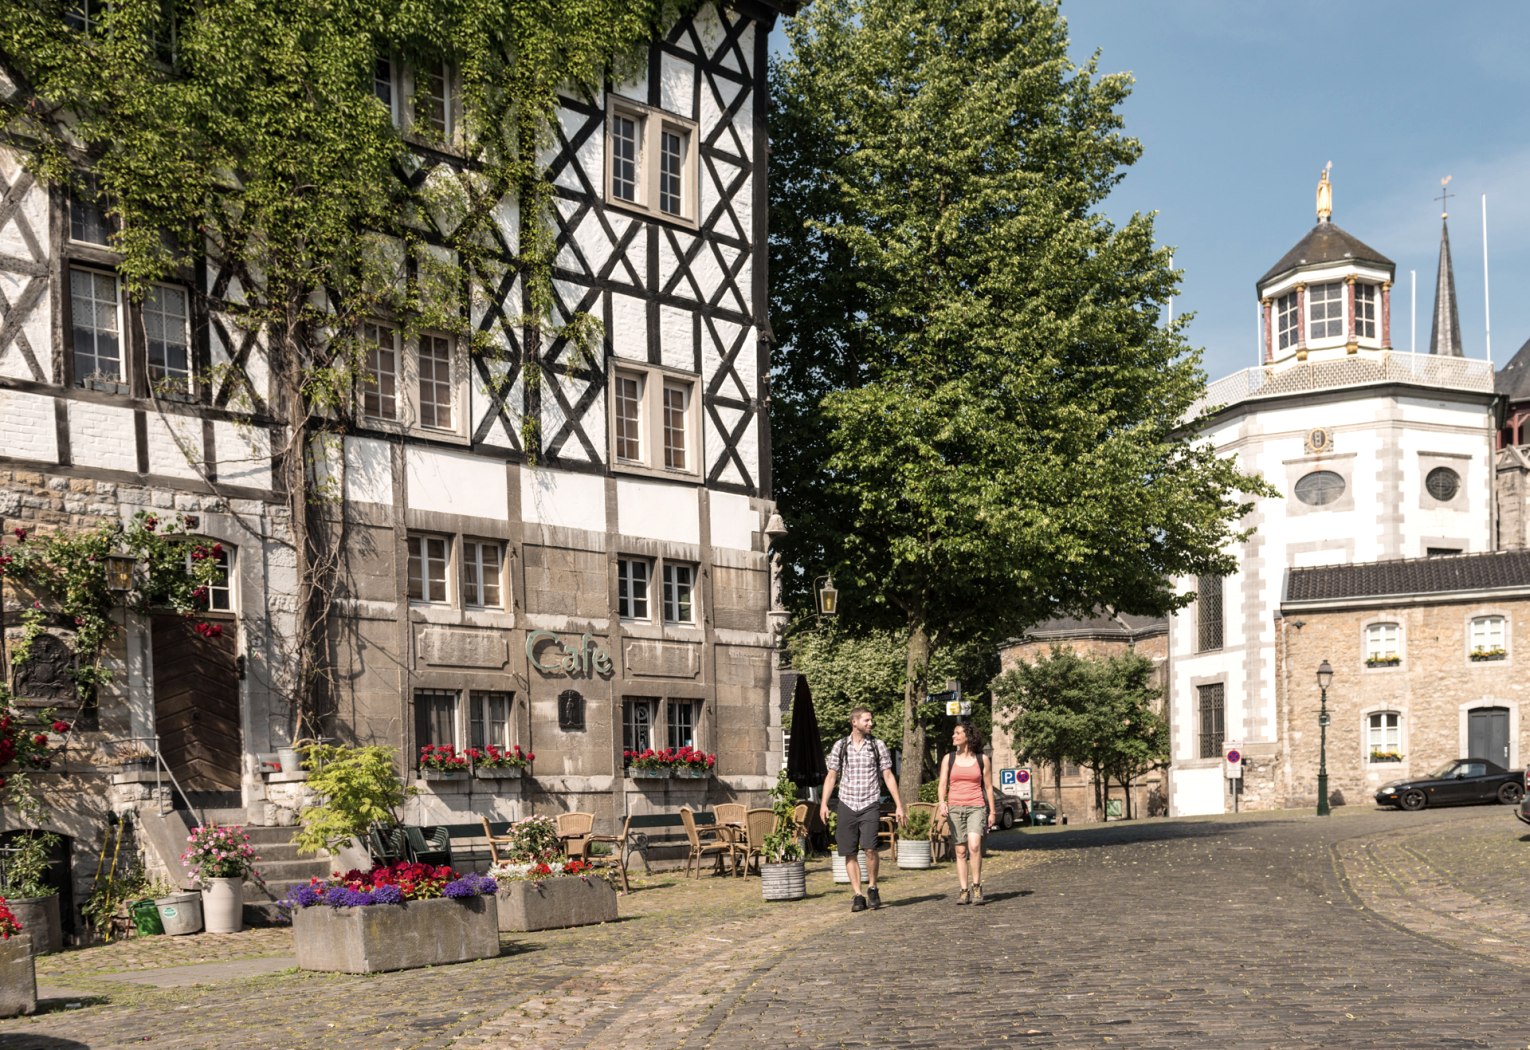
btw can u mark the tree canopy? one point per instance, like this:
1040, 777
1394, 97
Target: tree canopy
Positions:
979, 403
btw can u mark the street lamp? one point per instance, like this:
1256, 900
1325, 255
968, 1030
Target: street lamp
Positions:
828, 596
1324, 678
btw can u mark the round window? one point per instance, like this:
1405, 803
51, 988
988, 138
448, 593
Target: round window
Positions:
1320, 487
1443, 484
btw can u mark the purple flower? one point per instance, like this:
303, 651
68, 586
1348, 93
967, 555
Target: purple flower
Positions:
387, 895
305, 896
460, 888
345, 897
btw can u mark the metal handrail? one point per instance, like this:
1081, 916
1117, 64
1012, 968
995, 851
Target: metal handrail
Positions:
161, 765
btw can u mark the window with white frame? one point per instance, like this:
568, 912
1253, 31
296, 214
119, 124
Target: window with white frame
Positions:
489, 719
385, 85
436, 408
434, 100
379, 391
482, 571
167, 333
1365, 311
89, 222
1489, 637
632, 579
1383, 644
651, 160
95, 321
435, 717
1288, 320
1325, 310
638, 716
429, 562
679, 588
220, 589
654, 423
680, 719
1383, 736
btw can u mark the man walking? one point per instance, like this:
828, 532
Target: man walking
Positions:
859, 764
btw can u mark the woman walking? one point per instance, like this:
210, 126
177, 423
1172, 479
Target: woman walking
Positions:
966, 799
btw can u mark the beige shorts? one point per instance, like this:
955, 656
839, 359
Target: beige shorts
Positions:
967, 821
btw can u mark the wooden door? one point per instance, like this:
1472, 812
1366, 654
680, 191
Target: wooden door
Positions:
196, 704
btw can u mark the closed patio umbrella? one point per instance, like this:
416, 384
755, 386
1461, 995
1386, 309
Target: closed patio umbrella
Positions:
805, 764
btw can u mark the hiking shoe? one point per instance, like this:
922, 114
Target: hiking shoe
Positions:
858, 904
964, 897
873, 897
977, 894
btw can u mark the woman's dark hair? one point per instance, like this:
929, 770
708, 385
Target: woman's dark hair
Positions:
974, 737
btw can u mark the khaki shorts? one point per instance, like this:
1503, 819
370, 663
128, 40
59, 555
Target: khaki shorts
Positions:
967, 821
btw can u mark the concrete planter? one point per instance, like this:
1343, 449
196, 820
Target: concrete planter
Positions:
382, 937
647, 774
18, 977
914, 853
682, 773
784, 882
39, 919
443, 774
553, 904
505, 773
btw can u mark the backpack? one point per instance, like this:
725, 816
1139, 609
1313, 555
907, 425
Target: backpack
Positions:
948, 766
843, 743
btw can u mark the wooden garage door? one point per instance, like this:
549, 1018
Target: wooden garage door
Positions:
196, 704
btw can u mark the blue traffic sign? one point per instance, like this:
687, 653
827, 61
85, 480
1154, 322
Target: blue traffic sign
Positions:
1006, 777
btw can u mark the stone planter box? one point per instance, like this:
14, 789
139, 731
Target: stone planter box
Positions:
512, 773
39, 918
18, 977
382, 937
443, 774
647, 774
553, 904
692, 774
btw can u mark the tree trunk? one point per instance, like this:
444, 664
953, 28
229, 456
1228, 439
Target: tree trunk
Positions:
915, 671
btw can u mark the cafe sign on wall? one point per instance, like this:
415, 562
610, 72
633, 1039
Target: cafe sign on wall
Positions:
551, 655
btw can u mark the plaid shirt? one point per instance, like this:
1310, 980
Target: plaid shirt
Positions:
860, 780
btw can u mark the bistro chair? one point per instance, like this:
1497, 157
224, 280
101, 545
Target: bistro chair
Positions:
387, 845
574, 830
706, 840
800, 824
495, 841
618, 857
432, 845
758, 823
730, 813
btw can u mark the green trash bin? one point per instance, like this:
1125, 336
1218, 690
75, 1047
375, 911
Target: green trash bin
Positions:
146, 917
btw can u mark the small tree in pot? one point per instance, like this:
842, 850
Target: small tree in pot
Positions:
914, 840
783, 877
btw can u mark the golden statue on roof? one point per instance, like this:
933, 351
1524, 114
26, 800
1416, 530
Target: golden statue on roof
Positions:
1325, 194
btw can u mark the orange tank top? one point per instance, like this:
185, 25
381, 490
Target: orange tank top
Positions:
966, 785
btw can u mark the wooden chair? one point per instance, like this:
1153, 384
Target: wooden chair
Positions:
618, 857
887, 834
494, 842
800, 826
574, 830
758, 823
706, 840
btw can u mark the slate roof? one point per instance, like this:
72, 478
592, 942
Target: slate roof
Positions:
1513, 379
1326, 243
1496, 570
1095, 627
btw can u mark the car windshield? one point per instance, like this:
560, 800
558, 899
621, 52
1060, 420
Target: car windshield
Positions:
1446, 770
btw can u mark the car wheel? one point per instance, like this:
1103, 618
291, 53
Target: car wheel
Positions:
1509, 794
1007, 821
1413, 800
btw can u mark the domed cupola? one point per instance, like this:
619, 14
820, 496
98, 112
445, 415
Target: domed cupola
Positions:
1329, 296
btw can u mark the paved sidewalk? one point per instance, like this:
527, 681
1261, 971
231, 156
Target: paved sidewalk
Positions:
1368, 930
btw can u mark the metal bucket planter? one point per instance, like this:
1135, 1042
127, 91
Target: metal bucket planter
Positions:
18, 977
841, 874
502, 773
223, 905
382, 937
784, 882
39, 918
555, 904
180, 913
914, 853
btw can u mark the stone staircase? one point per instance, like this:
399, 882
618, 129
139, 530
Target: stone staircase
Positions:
281, 867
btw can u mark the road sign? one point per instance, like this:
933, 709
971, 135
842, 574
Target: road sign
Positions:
1232, 752
948, 697
1006, 777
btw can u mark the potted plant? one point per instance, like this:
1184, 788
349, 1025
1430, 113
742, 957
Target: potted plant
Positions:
493, 763
1385, 660
646, 764
1488, 653
442, 762
914, 841
1386, 756
136, 759
783, 875
221, 857
24, 882
394, 917
18, 973
688, 762
541, 889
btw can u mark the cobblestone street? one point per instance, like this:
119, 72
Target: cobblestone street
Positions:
1371, 929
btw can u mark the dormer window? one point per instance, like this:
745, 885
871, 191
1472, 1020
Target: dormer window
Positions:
1325, 311
1365, 311
1289, 320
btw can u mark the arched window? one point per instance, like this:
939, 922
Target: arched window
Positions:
1383, 736
1319, 488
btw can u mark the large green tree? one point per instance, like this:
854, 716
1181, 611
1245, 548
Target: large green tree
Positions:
252, 135
978, 403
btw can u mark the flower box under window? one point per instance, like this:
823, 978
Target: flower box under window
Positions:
1481, 655
1386, 756
1391, 660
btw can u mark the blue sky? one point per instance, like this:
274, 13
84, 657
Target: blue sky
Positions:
1239, 105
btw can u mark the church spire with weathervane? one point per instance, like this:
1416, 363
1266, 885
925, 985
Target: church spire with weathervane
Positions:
1445, 333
